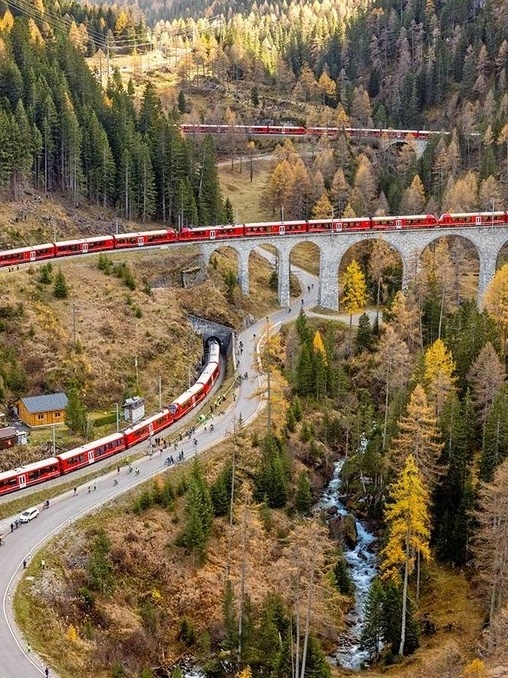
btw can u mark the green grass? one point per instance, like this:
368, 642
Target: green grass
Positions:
246, 196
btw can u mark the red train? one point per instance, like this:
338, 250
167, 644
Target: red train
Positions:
299, 131
87, 454
106, 243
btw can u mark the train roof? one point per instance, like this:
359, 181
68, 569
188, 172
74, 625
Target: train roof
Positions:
43, 463
91, 445
498, 213
404, 216
137, 234
30, 248
145, 422
184, 397
79, 241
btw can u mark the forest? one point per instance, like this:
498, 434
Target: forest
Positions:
415, 402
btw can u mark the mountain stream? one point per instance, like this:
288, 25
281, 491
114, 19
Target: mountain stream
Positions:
362, 568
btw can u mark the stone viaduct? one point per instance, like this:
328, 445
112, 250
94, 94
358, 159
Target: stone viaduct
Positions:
409, 244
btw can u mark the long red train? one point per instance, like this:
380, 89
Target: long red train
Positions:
95, 451
300, 131
105, 243
110, 445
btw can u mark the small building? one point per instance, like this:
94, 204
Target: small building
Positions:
43, 410
134, 409
8, 437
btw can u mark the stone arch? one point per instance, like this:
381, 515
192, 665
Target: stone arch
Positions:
211, 251
468, 264
305, 254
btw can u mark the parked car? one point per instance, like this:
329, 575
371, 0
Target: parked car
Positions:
29, 515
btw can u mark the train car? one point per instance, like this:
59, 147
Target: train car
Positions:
211, 233
28, 475
91, 452
26, 255
499, 218
187, 401
213, 346
404, 222
144, 429
275, 228
324, 226
145, 238
100, 243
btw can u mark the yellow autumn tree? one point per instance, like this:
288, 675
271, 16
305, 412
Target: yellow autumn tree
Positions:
438, 375
496, 301
319, 346
354, 292
408, 525
7, 21
322, 207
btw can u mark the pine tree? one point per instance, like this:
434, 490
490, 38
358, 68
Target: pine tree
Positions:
60, 287
364, 334
373, 611
452, 495
407, 520
199, 514
495, 436
303, 496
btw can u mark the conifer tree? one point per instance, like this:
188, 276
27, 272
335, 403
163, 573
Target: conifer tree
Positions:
60, 287
452, 498
491, 540
438, 374
373, 611
496, 302
419, 438
407, 520
354, 292
303, 496
495, 438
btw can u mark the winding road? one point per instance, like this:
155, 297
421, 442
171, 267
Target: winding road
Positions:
17, 659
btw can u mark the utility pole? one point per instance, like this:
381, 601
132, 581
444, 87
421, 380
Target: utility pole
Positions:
117, 418
160, 392
74, 325
268, 378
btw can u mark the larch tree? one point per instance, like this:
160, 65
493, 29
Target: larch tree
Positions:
496, 302
404, 318
419, 438
278, 188
408, 532
382, 257
485, 377
354, 292
438, 374
340, 191
392, 367
490, 546
322, 207
413, 199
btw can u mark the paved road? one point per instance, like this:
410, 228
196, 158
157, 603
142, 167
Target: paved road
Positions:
16, 661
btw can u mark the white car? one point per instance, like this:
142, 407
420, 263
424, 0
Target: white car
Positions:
29, 515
